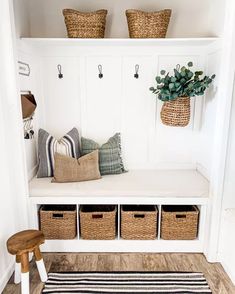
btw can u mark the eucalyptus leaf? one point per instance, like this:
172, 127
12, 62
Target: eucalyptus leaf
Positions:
171, 85
190, 74
158, 79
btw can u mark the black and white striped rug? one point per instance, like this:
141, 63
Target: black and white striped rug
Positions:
126, 282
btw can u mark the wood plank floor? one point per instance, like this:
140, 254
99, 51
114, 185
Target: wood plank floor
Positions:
214, 273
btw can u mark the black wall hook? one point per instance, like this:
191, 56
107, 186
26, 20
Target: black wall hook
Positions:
100, 71
60, 75
137, 67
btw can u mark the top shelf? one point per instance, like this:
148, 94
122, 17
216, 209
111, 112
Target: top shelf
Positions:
121, 42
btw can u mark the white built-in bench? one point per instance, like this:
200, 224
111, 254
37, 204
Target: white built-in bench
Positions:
133, 184
158, 187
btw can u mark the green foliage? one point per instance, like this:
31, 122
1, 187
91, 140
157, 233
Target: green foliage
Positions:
184, 83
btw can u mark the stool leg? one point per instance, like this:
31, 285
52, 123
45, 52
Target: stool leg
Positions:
17, 270
40, 264
25, 273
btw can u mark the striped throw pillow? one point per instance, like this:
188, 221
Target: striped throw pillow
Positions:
48, 145
110, 159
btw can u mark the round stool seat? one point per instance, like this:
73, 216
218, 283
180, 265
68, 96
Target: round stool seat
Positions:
25, 241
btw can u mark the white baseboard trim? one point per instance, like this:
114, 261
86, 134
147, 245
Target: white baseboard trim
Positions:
230, 272
6, 276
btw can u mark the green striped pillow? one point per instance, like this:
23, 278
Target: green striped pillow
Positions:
110, 160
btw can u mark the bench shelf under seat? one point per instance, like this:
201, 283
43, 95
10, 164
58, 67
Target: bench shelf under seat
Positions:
144, 187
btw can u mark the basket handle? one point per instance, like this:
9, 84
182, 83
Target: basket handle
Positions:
139, 215
57, 215
97, 215
181, 216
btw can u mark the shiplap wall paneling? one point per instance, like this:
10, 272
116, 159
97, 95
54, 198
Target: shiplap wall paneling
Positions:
175, 145
102, 100
138, 108
61, 96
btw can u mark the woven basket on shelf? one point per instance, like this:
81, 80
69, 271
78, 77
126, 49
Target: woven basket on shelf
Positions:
139, 222
98, 222
143, 24
85, 24
176, 113
58, 221
179, 222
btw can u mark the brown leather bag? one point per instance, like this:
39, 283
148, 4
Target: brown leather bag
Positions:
28, 104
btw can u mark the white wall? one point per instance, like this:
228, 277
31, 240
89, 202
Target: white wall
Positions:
227, 219
227, 230
32, 83
216, 17
13, 208
190, 18
206, 127
21, 12
229, 183
7, 208
227, 242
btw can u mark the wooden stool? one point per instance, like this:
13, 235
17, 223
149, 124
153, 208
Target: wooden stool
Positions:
21, 244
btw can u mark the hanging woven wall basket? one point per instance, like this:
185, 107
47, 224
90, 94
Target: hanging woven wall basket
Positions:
143, 24
85, 24
176, 90
176, 113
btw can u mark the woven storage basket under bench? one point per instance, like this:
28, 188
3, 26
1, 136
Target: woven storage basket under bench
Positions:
58, 221
179, 222
139, 222
98, 222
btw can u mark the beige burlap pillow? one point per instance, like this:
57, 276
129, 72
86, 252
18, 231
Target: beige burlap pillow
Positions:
68, 169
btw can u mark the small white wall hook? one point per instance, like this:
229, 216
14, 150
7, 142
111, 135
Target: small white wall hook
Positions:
60, 75
100, 71
137, 67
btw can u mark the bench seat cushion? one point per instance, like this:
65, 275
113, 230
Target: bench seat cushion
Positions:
139, 183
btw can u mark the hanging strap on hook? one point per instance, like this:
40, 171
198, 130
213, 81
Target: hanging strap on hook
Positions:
136, 75
100, 71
